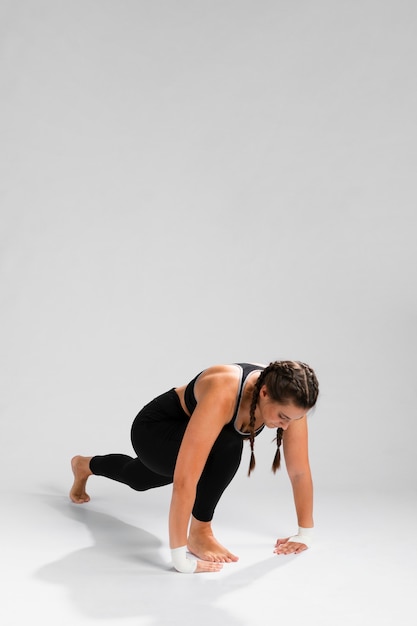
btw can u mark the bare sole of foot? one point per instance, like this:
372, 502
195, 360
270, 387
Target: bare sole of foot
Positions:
80, 466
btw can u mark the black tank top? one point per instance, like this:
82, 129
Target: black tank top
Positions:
245, 370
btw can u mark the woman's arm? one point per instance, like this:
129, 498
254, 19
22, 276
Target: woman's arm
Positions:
295, 443
214, 409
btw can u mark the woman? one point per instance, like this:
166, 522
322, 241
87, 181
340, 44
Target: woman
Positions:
192, 436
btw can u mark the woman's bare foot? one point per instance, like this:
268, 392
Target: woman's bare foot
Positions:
205, 546
81, 469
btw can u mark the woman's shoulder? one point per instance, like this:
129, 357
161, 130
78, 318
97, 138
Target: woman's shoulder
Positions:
217, 386
219, 374
224, 377
221, 368
224, 369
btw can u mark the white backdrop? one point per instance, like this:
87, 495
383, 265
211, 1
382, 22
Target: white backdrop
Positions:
193, 182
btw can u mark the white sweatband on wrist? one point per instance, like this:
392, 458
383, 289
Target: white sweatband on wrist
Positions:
304, 535
181, 562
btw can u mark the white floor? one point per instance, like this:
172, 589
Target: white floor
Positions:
108, 562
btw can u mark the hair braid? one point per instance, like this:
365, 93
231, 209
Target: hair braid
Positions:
277, 458
311, 382
286, 381
252, 418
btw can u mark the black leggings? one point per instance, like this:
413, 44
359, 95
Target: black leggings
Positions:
157, 432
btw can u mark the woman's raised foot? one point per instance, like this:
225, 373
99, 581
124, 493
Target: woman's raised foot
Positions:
80, 466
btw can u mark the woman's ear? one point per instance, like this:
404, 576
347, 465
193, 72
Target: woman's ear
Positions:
263, 391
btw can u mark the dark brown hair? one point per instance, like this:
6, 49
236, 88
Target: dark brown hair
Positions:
286, 381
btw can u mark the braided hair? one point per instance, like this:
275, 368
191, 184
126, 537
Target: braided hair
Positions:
286, 381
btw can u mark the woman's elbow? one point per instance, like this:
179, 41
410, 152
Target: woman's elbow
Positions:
184, 485
298, 474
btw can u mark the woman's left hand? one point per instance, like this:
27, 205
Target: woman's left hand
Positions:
283, 546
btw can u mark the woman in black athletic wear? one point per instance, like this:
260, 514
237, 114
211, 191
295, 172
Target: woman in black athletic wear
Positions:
192, 436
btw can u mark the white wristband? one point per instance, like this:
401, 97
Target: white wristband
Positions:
304, 535
181, 562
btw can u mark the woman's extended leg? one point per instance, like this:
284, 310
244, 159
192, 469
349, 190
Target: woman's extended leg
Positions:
156, 436
120, 467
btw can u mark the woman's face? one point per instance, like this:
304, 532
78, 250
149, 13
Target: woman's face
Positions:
275, 414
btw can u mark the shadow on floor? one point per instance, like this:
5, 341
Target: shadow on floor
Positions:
124, 575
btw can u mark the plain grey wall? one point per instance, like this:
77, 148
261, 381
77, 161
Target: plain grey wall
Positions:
192, 182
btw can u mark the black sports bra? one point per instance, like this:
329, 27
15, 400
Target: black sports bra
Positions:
245, 370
